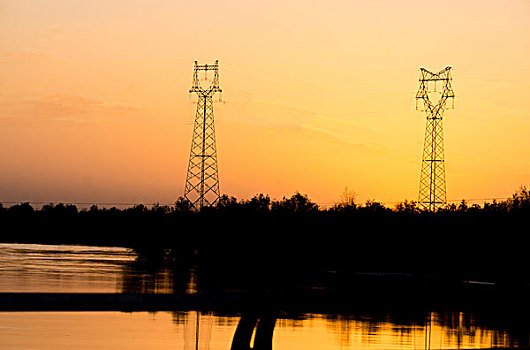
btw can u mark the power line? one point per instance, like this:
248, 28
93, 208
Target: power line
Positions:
85, 203
321, 204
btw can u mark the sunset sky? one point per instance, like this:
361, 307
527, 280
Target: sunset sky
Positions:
317, 96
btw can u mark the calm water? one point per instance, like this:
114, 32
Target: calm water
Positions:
58, 268
165, 330
39, 268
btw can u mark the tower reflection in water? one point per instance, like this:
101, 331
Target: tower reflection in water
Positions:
259, 329
263, 331
34, 268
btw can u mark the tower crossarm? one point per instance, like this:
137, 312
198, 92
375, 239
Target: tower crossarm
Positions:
428, 81
196, 83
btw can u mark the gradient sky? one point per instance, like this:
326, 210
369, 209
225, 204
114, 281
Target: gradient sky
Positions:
318, 95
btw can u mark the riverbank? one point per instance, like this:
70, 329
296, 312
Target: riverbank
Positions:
482, 246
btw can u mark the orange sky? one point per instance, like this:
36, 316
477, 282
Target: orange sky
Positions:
317, 96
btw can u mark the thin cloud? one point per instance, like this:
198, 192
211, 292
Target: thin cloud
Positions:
63, 108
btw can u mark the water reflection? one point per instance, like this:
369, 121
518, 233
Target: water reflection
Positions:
58, 268
213, 331
38, 268
262, 330
161, 272
255, 330
432, 330
70, 268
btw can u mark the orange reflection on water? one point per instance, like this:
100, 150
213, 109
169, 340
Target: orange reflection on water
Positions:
112, 330
344, 333
62, 268
207, 331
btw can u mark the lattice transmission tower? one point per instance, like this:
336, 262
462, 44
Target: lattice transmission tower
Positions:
432, 194
202, 179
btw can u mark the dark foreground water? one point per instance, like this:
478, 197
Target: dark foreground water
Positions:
43, 268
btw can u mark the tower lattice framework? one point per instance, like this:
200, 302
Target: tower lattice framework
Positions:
202, 179
432, 193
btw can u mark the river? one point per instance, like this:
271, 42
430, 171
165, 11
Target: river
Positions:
71, 269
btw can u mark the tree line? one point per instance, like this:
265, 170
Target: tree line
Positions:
260, 239
519, 202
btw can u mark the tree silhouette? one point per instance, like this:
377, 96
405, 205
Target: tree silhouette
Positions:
23, 209
408, 207
183, 205
297, 203
259, 203
462, 207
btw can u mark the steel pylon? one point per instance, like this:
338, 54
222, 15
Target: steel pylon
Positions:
202, 179
432, 193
